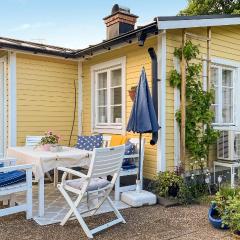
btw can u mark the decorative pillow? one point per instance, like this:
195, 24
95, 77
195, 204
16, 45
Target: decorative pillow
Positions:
117, 140
89, 142
12, 177
130, 149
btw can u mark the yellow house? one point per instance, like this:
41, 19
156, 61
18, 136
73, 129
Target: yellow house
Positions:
86, 91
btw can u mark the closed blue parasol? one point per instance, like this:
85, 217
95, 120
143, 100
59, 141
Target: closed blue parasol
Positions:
143, 117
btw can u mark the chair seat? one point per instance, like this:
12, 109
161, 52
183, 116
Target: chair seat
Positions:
95, 184
9, 178
15, 187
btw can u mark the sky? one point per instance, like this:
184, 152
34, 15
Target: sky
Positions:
73, 23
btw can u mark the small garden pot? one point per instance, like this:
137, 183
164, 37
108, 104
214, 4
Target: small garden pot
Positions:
167, 202
216, 222
236, 235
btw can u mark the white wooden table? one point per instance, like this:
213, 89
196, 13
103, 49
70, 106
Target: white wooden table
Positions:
44, 161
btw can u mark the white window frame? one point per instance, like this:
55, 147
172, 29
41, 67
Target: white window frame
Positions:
235, 66
107, 67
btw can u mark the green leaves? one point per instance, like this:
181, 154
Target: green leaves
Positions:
199, 115
207, 7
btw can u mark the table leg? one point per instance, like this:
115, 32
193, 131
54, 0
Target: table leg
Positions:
41, 196
214, 173
232, 177
55, 177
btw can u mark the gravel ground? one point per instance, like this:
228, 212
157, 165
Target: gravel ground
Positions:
152, 222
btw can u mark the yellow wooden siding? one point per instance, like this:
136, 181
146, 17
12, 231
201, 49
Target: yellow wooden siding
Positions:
225, 44
136, 58
45, 96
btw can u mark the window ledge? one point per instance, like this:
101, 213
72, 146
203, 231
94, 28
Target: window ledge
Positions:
113, 130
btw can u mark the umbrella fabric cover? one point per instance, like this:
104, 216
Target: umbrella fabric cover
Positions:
143, 117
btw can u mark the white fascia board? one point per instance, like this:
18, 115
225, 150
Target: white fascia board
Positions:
178, 24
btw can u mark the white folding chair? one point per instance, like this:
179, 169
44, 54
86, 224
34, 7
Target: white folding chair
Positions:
105, 162
32, 141
17, 187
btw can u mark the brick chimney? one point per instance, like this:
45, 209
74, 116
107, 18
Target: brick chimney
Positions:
120, 21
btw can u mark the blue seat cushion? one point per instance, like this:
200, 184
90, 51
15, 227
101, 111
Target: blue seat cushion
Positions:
1, 165
89, 142
130, 149
12, 177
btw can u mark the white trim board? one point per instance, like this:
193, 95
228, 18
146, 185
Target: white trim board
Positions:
80, 98
3, 60
193, 23
12, 128
162, 71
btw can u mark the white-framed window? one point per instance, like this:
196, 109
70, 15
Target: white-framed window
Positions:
224, 77
108, 96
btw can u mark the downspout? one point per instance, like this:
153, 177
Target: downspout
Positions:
153, 56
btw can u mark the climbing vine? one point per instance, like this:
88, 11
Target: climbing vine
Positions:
199, 115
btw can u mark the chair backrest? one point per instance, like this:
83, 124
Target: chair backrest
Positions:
32, 140
106, 161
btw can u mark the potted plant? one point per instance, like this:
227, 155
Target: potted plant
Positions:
167, 186
49, 140
219, 206
132, 92
231, 217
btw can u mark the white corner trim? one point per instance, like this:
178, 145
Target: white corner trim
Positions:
3, 60
177, 24
176, 64
80, 97
12, 128
162, 70
101, 67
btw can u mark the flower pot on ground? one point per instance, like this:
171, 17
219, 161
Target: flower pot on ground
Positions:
215, 219
219, 212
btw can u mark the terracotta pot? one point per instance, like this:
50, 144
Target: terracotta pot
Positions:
132, 93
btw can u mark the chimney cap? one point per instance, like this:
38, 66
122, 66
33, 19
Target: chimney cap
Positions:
120, 9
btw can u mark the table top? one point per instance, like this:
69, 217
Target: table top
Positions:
35, 152
44, 161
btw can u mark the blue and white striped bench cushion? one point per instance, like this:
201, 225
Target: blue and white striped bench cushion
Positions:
12, 177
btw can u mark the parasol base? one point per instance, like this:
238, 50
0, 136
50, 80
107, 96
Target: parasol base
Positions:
138, 199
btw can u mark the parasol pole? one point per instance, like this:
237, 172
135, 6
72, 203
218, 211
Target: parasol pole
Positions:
138, 182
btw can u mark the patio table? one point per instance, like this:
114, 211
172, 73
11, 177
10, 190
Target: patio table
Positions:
44, 161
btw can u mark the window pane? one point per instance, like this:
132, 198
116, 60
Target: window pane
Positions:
227, 96
214, 76
102, 114
116, 76
102, 80
116, 114
102, 97
227, 113
116, 96
227, 79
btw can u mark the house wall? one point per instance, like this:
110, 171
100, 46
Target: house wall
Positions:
136, 58
225, 44
45, 96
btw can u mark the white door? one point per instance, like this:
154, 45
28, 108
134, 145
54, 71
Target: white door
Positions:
2, 112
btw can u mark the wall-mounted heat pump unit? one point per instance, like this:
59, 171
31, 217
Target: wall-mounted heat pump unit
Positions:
228, 146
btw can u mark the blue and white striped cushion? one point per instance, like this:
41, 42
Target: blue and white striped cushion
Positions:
12, 177
89, 142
